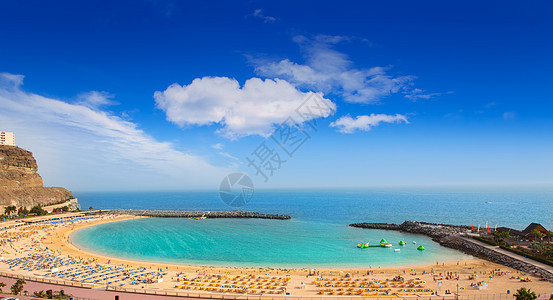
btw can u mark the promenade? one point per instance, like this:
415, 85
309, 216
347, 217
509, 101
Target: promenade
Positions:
537, 264
81, 293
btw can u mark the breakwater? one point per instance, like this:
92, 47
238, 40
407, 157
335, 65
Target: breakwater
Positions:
433, 230
456, 237
243, 214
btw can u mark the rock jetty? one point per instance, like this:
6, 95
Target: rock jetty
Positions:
433, 230
243, 214
456, 237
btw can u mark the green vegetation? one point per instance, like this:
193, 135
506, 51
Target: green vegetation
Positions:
9, 209
23, 211
539, 251
57, 202
52, 295
486, 240
37, 210
17, 287
500, 236
524, 294
538, 235
2, 285
526, 253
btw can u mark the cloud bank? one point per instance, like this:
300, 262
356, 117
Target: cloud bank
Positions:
251, 109
347, 124
80, 145
330, 71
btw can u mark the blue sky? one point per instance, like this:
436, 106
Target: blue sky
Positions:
175, 95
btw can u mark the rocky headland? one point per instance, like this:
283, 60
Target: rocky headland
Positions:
20, 184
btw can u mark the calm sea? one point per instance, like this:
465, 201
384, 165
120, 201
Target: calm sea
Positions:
316, 236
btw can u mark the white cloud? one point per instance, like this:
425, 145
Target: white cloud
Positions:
217, 146
328, 70
11, 81
80, 146
95, 99
416, 94
228, 155
347, 124
252, 109
258, 13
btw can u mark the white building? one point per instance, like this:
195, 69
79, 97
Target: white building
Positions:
7, 138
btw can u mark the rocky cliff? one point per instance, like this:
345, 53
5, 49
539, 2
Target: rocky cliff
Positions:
20, 184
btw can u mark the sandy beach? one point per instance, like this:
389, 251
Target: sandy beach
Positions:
473, 276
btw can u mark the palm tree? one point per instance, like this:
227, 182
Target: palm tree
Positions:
541, 235
524, 294
1, 286
536, 233
9, 209
17, 287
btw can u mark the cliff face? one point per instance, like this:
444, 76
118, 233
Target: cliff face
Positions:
18, 168
20, 184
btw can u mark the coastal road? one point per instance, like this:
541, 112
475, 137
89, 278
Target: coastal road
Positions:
538, 264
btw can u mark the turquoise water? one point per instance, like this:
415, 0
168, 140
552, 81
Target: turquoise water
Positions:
318, 234
256, 243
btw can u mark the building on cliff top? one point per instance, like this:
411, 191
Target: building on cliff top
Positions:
7, 138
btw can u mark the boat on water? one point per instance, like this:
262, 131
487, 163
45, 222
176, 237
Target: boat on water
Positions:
401, 243
421, 247
397, 250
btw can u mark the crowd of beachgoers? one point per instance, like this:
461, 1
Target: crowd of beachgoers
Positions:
25, 253
44, 250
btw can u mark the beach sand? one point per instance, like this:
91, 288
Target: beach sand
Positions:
300, 283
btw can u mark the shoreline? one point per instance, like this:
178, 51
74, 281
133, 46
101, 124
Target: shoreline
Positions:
179, 279
89, 253
85, 253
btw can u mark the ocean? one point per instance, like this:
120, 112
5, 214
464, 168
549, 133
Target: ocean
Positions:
318, 234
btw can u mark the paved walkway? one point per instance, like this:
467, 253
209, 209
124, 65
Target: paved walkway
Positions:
540, 265
79, 293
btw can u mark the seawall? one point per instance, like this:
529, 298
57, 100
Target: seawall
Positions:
239, 214
455, 236
429, 229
